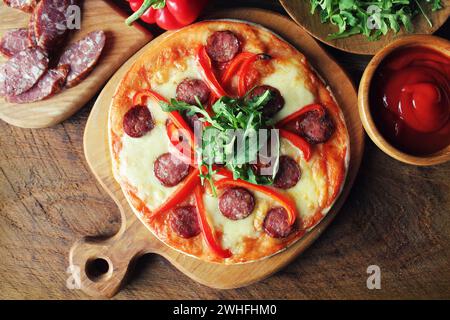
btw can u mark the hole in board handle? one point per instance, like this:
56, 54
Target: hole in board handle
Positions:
98, 269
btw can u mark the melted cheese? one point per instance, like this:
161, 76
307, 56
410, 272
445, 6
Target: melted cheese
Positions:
166, 84
159, 116
233, 231
136, 165
289, 78
311, 188
138, 154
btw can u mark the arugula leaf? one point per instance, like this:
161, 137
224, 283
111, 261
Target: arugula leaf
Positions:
435, 4
372, 18
346, 4
232, 137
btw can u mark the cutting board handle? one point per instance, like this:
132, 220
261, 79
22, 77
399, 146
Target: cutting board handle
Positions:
99, 266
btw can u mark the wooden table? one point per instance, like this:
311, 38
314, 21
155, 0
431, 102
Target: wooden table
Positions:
397, 217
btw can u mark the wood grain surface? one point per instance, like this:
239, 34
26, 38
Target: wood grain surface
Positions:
121, 43
397, 217
300, 11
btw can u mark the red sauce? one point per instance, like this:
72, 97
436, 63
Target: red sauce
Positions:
410, 100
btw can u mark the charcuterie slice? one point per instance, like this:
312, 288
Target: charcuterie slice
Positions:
288, 173
276, 100
184, 222
24, 5
14, 41
49, 84
236, 203
181, 97
276, 223
22, 71
222, 46
82, 56
50, 25
191, 89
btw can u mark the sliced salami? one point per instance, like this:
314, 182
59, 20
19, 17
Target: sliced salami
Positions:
276, 223
49, 84
236, 203
170, 170
22, 71
138, 121
222, 46
82, 56
50, 23
184, 221
24, 5
188, 89
288, 173
14, 41
276, 102
315, 127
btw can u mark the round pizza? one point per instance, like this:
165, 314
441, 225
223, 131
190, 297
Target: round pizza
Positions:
226, 143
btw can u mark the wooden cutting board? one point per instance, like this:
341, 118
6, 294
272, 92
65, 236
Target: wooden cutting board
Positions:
121, 42
103, 263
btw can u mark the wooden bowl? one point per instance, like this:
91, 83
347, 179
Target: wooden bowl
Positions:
439, 44
300, 12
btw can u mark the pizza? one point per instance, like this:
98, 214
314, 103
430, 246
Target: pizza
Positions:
215, 75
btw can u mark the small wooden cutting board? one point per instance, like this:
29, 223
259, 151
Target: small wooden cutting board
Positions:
103, 263
121, 42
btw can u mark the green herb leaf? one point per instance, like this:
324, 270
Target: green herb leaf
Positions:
232, 138
372, 18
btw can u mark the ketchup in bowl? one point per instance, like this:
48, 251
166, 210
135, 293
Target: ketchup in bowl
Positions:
410, 100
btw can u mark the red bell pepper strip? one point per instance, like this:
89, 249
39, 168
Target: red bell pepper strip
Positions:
311, 107
244, 70
234, 66
168, 14
175, 116
184, 190
207, 231
284, 200
223, 171
208, 73
297, 141
173, 133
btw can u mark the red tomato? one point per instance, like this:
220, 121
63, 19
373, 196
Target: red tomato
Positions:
168, 14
